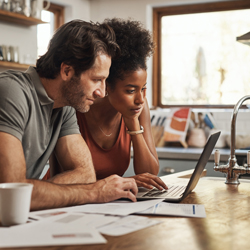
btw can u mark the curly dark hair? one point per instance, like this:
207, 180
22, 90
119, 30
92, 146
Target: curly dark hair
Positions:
136, 46
77, 43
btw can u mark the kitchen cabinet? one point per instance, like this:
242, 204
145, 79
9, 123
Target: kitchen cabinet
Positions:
177, 166
16, 19
183, 165
181, 159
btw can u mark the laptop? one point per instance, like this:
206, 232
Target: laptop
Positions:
178, 193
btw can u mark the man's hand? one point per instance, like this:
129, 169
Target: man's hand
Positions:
115, 187
149, 181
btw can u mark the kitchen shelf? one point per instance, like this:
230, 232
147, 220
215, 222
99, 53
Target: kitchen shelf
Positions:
19, 19
13, 65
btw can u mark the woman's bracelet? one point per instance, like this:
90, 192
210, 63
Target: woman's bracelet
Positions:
136, 132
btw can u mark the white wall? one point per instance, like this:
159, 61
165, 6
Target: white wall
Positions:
75, 9
95, 10
21, 36
140, 10
137, 9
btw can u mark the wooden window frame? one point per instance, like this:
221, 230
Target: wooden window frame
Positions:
58, 11
158, 13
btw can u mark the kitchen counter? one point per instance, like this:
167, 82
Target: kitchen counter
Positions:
225, 227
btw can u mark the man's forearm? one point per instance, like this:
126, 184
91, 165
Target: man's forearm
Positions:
71, 162
75, 175
49, 195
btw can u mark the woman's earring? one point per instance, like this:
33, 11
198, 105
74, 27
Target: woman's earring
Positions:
106, 93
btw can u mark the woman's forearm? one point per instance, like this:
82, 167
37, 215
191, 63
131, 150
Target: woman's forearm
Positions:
145, 161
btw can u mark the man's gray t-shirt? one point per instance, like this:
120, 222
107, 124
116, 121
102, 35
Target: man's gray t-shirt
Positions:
27, 113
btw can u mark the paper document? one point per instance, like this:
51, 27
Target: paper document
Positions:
127, 225
60, 231
185, 210
77, 219
122, 208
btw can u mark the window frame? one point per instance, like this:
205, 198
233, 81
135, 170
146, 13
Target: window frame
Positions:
158, 13
58, 11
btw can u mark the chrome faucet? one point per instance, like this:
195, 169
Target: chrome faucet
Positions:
232, 169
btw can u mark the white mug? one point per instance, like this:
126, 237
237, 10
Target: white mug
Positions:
197, 138
26, 8
37, 7
15, 201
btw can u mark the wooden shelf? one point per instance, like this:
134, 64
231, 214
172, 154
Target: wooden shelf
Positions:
19, 19
13, 65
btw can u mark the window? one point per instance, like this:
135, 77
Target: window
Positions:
198, 61
54, 17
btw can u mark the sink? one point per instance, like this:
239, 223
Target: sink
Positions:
223, 179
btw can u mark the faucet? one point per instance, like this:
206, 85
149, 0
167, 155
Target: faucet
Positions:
232, 169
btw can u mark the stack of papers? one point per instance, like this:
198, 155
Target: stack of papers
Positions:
85, 224
49, 234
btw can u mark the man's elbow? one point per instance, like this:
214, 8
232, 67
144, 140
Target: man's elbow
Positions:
86, 177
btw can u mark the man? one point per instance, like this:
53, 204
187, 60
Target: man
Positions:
37, 118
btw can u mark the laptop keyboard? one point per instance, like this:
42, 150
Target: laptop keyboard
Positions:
172, 191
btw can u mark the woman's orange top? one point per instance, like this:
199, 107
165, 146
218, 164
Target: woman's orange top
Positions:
107, 161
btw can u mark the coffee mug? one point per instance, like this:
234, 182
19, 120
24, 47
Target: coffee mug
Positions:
5, 5
37, 7
197, 138
15, 201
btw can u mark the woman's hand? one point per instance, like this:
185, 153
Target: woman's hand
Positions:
149, 181
132, 120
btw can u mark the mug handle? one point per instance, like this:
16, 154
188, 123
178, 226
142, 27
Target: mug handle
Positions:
47, 6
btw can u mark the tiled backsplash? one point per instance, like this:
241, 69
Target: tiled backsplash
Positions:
223, 120
221, 117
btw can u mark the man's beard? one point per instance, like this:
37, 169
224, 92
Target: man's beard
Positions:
74, 95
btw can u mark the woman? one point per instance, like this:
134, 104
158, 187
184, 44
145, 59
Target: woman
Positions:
123, 115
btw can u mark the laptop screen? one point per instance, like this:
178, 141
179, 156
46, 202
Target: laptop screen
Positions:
201, 164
